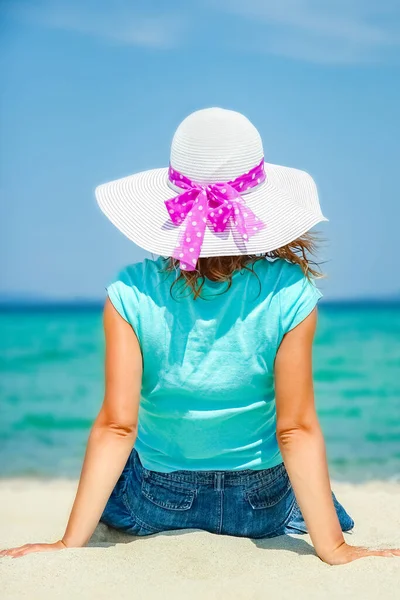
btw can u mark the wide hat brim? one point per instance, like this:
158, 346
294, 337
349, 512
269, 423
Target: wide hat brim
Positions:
287, 202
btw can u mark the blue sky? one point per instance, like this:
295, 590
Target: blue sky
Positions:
93, 91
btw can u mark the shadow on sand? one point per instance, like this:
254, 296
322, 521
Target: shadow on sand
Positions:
105, 537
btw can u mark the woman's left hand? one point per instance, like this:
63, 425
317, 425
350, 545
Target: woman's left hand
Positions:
29, 548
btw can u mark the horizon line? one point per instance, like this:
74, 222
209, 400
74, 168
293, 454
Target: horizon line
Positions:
97, 304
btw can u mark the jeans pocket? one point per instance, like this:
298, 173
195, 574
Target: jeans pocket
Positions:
269, 502
171, 496
269, 491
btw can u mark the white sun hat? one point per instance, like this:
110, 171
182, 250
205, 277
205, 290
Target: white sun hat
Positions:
210, 148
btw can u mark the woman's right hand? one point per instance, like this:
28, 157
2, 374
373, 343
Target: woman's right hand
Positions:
345, 553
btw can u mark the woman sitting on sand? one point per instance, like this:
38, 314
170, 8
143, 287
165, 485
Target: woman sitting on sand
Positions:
208, 420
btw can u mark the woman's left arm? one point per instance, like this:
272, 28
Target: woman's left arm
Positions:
303, 450
112, 436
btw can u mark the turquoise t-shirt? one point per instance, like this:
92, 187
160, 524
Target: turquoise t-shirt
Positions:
207, 398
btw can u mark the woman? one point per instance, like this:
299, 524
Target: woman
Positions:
208, 419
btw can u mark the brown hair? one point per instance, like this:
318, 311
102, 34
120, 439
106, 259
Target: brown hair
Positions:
221, 268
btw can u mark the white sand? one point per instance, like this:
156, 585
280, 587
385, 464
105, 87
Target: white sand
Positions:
191, 564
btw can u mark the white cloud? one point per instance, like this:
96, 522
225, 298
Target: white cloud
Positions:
119, 21
322, 31
328, 31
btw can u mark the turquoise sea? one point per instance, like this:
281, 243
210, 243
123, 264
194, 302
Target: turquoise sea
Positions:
51, 385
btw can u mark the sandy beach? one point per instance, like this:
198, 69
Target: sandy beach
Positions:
192, 563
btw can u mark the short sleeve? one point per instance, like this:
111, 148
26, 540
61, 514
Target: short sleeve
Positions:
123, 295
298, 297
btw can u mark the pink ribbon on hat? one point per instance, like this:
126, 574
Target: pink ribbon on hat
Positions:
215, 205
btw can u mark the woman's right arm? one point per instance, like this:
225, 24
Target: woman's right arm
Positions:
111, 439
114, 431
302, 446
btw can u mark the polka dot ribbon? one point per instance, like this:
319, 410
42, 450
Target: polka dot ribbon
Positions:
215, 205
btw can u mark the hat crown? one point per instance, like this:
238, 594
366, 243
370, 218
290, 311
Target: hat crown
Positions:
215, 145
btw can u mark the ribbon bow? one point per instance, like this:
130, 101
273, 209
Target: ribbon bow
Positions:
214, 205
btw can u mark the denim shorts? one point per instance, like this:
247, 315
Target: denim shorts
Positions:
247, 503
